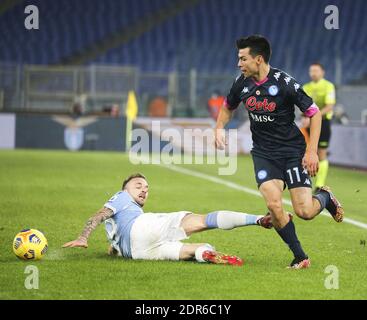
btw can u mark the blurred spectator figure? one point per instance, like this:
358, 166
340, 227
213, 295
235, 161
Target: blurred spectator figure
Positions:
79, 104
157, 107
215, 102
323, 94
76, 110
340, 115
112, 110
115, 111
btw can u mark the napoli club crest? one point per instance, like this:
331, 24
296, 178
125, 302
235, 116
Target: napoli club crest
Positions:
273, 90
262, 174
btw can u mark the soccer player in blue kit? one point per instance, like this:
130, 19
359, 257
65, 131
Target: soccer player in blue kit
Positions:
279, 150
157, 236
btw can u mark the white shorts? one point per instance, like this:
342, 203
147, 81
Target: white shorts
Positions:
157, 236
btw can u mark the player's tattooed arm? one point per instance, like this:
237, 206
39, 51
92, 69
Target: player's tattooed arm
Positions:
92, 223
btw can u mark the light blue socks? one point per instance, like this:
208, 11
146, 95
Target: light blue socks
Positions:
228, 220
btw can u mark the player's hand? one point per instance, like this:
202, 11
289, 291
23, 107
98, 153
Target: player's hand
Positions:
220, 139
311, 162
78, 243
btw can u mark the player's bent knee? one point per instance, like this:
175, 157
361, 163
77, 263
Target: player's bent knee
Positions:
303, 213
193, 223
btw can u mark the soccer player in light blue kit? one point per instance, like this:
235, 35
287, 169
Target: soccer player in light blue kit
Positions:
157, 236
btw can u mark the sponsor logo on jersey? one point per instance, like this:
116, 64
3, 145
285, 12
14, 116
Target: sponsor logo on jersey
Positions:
261, 118
252, 104
245, 90
296, 86
287, 79
273, 90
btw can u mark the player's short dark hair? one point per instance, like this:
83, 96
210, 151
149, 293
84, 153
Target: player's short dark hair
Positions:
257, 44
318, 64
132, 176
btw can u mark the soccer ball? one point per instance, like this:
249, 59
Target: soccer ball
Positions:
30, 244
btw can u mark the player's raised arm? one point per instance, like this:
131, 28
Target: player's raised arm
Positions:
225, 114
92, 223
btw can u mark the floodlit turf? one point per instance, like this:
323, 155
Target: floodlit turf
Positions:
56, 192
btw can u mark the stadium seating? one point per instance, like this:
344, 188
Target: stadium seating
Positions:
201, 37
65, 27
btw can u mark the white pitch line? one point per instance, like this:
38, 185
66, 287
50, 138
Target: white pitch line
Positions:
244, 189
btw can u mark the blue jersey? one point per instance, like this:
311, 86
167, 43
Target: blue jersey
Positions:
118, 228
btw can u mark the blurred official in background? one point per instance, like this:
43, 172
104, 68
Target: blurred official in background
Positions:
322, 93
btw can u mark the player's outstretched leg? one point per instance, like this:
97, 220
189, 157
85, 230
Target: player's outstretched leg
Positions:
225, 220
204, 252
228, 220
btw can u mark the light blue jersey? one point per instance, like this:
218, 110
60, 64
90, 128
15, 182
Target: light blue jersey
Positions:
118, 228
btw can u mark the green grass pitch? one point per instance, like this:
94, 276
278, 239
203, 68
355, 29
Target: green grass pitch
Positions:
57, 191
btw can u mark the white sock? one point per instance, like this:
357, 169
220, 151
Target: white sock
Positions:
228, 220
199, 252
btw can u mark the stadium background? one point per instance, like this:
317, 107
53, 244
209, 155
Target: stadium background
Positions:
76, 71
174, 55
